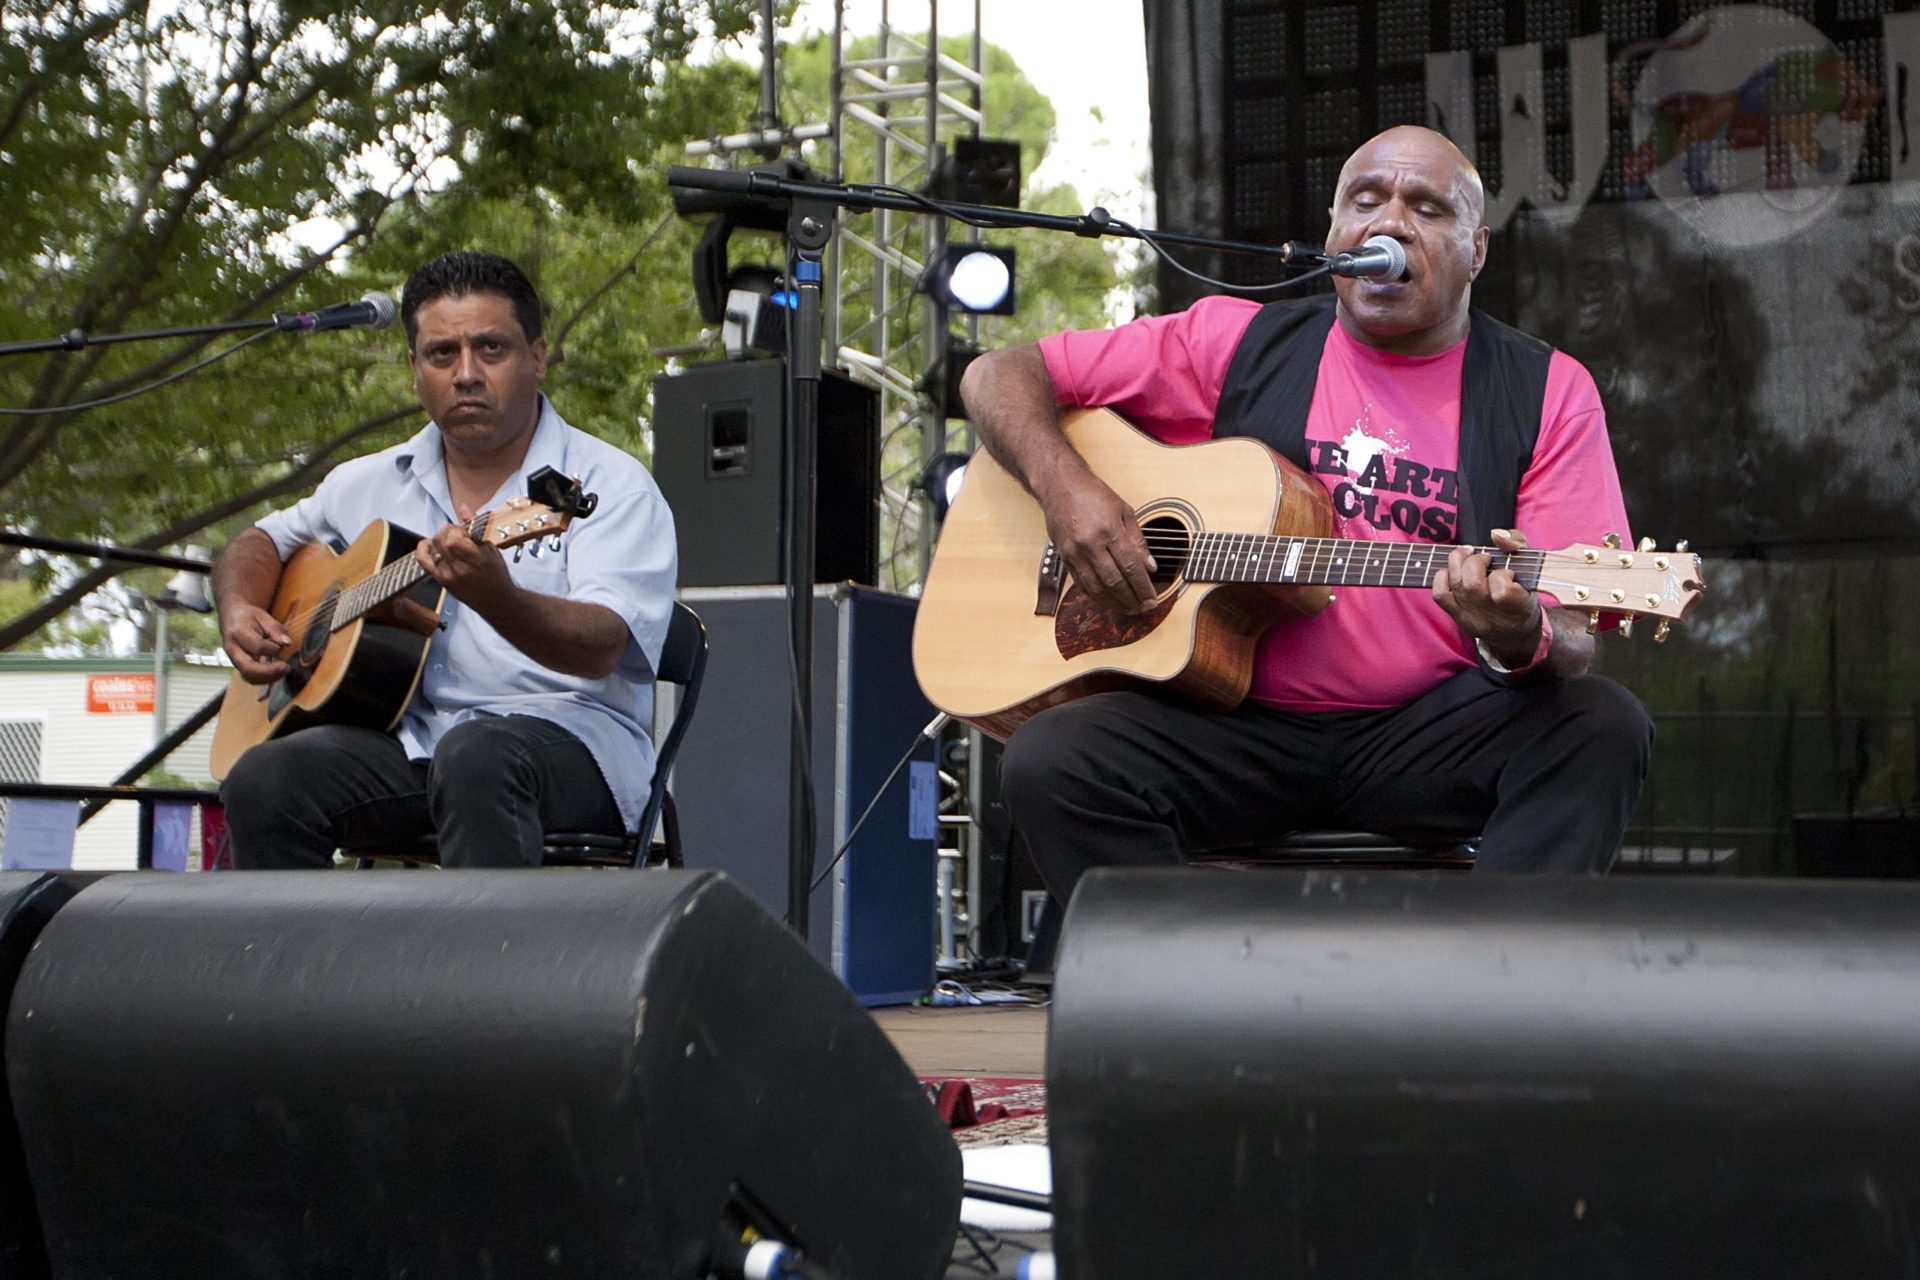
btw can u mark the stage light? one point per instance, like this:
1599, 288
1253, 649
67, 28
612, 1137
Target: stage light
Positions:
940, 481
981, 171
974, 278
756, 320
724, 213
187, 589
960, 354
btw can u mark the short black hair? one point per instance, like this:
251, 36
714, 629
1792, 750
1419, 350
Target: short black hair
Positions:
457, 274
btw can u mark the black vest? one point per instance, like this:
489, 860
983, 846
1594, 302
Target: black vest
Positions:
1503, 388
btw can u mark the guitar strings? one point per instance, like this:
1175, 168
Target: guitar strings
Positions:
1248, 545
1532, 565
384, 589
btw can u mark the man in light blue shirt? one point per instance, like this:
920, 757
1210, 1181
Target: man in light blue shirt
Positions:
534, 707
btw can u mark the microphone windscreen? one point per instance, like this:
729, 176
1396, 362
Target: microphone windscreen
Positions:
1396, 255
383, 309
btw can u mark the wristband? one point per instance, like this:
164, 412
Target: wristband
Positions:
1539, 650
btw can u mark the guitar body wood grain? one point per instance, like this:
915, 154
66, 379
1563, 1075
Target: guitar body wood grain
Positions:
363, 674
985, 656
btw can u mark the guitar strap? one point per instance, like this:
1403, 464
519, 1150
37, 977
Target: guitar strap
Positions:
1503, 387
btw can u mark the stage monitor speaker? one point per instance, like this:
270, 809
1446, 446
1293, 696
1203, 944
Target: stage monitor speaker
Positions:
1333, 1074
28, 900
485, 1073
717, 432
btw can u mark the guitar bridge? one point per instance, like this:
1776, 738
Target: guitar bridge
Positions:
1053, 577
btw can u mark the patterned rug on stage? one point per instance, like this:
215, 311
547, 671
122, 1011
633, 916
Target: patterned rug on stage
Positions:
990, 1111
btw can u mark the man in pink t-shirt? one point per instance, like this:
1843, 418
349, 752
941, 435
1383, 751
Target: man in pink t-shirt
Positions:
1463, 710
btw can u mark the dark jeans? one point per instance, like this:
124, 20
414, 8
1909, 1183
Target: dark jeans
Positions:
494, 785
1547, 773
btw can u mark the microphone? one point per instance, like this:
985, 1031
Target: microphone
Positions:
1380, 256
374, 311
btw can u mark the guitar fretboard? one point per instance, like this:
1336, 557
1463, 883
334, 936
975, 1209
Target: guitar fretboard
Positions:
1255, 557
393, 578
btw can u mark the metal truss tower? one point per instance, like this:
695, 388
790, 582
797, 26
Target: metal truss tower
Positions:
896, 108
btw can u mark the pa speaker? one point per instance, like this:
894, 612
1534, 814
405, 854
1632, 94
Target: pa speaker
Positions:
1366, 1075
462, 1074
717, 455
28, 900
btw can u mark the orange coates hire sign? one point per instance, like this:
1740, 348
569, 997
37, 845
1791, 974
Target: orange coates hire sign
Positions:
120, 694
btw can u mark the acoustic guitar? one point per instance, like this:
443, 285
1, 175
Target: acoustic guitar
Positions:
357, 651
1239, 535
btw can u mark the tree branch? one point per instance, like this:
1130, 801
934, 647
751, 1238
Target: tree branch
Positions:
302, 477
58, 65
593, 299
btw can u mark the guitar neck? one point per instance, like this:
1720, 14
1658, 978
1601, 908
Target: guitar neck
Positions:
391, 580
1343, 562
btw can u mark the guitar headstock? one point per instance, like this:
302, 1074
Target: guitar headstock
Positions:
1636, 582
552, 503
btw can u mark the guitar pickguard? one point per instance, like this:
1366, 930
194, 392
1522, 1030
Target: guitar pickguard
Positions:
1081, 626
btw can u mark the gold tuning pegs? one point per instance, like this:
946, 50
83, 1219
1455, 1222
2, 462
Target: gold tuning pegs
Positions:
1593, 621
1660, 632
1680, 545
1647, 544
1626, 627
1611, 541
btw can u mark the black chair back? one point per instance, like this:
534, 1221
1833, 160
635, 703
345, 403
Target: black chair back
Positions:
683, 663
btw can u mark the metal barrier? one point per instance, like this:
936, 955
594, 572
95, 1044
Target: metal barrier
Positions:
97, 797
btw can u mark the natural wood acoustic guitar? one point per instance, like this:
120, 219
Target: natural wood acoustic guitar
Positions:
360, 621
1240, 538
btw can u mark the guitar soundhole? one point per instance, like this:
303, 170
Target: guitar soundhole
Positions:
313, 642
1171, 542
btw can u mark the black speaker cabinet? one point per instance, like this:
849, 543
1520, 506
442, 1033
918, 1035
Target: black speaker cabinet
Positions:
717, 456
28, 900
871, 917
459, 1074
1341, 1075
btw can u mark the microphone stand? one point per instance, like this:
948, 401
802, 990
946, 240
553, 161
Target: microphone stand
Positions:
75, 339
810, 225
109, 552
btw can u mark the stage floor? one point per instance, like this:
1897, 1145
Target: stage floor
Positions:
980, 1040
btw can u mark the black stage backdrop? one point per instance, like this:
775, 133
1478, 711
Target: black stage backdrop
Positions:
1716, 208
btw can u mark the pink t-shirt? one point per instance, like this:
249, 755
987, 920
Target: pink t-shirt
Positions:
1383, 436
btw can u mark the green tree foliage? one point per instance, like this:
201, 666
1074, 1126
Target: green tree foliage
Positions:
229, 158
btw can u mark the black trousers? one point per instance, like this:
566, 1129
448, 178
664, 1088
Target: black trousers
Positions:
493, 787
1546, 773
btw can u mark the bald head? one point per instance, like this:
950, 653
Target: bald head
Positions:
1413, 186
1443, 161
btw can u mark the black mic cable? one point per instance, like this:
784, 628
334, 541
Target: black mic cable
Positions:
173, 377
374, 311
928, 734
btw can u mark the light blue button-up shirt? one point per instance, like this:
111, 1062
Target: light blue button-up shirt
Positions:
623, 557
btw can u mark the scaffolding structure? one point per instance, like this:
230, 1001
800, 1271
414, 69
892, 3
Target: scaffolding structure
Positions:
898, 102
896, 109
